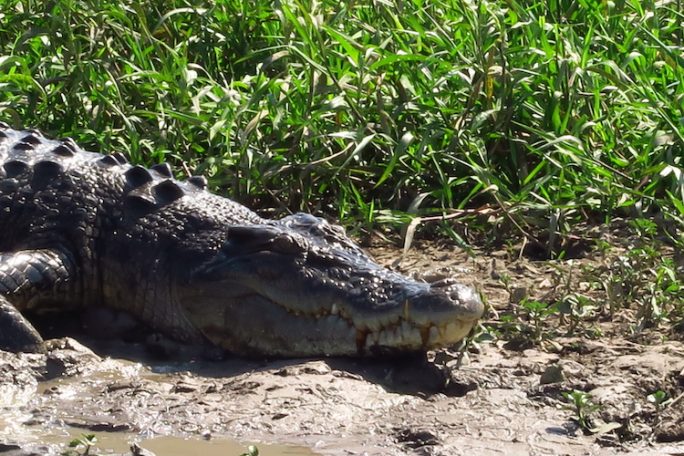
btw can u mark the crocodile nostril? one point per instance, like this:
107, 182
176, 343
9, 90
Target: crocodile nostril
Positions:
466, 297
442, 282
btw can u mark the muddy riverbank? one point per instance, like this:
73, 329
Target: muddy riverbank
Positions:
497, 399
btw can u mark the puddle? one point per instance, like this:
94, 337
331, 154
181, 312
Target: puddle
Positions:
174, 446
116, 442
39, 413
120, 442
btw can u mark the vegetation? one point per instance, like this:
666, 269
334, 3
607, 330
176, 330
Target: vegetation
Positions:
643, 281
583, 407
81, 446
520, 116
252, 450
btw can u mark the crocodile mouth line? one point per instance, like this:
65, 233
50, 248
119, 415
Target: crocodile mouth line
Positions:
400, 328
397, 332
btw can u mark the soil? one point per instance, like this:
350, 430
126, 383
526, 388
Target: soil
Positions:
500, 396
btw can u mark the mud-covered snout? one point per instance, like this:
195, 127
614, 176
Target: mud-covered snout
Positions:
463, 300
432, 315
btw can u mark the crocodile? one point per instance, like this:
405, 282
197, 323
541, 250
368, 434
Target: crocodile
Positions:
82, 230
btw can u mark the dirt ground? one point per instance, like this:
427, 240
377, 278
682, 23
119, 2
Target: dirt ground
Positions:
500, 398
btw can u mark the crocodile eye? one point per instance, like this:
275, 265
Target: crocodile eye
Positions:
243, 239
336, 230
285, 243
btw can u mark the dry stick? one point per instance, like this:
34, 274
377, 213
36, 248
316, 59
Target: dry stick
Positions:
528, 236
457, 213
677, 399
411, 227
188, 173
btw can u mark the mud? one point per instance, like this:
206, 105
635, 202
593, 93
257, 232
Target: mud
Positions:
499, 398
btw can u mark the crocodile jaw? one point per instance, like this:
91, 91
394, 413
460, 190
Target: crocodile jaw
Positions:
246, 323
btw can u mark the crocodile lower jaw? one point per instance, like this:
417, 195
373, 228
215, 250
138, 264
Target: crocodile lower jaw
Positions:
408, 336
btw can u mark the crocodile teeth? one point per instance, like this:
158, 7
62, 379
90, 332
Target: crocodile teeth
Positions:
387, 339
432, 336
408, 335
361, 339
405, 335
449, 333
377, 323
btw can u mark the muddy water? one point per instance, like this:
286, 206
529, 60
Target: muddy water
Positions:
44, 416
120, 442
175, 446
57, 437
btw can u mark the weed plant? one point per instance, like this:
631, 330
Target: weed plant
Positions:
507, 114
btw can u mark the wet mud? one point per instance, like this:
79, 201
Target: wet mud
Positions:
497, 398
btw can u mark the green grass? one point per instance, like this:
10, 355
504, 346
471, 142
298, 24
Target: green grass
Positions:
528, 116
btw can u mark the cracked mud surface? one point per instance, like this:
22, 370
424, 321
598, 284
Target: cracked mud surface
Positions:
503, 399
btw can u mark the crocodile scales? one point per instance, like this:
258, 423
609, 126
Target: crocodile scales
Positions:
81, 229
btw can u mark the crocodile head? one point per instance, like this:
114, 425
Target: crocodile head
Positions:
300, 287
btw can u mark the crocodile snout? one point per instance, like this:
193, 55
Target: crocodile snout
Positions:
466, 300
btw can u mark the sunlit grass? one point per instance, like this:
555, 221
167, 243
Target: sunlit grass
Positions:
537, 114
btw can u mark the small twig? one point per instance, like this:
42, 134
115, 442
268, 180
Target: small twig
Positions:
512, 220
675, 400
459, 213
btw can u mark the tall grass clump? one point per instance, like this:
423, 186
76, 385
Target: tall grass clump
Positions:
508, 114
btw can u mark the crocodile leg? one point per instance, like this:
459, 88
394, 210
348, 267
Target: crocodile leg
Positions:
27, 279
16, 333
